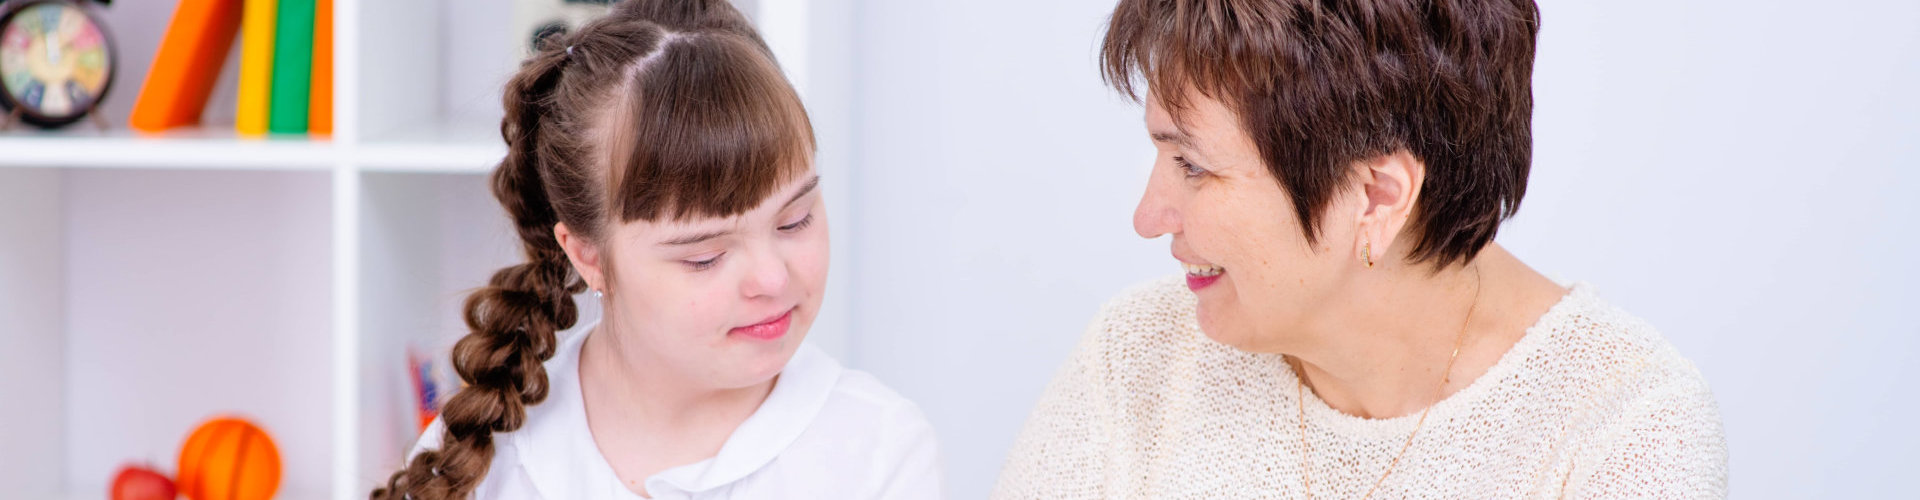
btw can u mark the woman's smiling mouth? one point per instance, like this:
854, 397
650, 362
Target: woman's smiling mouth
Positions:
1202, 275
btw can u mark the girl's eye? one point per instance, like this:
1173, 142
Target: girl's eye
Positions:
702, 265
1188, 169
798, 225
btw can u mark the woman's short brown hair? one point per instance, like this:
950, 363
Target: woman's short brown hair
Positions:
1319, 85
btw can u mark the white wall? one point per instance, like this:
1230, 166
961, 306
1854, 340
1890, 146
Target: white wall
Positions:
996, 180
1741, 174
1738, 173
190, 294
32, 326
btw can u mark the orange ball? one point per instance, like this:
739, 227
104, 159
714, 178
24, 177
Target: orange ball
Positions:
229, 458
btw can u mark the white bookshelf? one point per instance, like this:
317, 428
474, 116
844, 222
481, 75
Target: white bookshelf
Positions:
202, 148
150, 281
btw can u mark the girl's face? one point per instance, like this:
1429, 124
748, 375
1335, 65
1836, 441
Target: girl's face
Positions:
722, 301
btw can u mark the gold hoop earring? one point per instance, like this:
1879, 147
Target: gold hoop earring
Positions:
1366, 254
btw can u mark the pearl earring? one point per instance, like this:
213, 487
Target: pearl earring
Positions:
597, 295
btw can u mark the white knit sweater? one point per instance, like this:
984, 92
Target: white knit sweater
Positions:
1590, 403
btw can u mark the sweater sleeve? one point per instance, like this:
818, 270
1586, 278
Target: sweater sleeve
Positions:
1670, 445
1061, 453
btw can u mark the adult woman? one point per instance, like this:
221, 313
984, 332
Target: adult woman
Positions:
659, 158
1333, 174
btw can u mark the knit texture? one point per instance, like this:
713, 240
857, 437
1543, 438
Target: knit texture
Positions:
1590, 403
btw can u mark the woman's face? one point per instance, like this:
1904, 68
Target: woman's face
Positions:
1235, 231
725, 301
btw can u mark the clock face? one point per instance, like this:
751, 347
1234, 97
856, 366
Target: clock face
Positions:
54, 61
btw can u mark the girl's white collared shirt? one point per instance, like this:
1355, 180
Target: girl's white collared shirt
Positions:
824, 432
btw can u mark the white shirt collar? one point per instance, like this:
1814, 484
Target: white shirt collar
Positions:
560, 458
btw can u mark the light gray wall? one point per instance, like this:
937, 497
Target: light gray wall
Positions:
1738, 173
1742, 175
996, 179
32, 261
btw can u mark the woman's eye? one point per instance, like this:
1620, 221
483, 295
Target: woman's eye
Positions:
702, 265
1188, 169
798, 225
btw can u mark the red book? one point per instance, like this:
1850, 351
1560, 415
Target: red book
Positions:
187, 64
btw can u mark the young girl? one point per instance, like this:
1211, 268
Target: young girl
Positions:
658, 158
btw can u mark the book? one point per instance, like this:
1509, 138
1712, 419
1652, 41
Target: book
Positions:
292, 67
320, 107
256, 66
186, 64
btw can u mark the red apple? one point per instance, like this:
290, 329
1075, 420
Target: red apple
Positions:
140, 483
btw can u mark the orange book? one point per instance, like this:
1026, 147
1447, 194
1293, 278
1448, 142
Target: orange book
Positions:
320, 105
186, 65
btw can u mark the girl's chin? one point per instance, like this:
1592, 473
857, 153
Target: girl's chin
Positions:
756, 364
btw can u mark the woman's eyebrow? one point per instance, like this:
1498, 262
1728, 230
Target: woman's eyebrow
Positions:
1174, 138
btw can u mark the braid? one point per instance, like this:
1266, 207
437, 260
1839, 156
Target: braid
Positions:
513, 320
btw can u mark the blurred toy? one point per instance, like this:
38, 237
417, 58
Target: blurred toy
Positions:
229, 458
135, 482
535, 21
426, 388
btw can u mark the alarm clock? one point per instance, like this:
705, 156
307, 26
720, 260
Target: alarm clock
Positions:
56, 61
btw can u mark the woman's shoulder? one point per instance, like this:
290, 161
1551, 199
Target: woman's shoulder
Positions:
1150, 326
1633, 392
1154, 313
1145, 344
1161, 302
1618, 369
1587, 334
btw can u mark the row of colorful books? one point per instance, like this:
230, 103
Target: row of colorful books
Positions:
286, 66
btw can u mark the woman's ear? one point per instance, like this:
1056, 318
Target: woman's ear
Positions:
1389, 185
584, 255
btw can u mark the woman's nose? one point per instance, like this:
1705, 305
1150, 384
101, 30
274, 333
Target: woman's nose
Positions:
1155, 215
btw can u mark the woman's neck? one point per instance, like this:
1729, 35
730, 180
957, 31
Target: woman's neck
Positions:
646, 418
1384, 354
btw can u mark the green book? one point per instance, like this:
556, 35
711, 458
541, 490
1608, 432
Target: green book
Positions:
292, 68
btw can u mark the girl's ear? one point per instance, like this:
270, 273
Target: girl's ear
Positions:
584, 255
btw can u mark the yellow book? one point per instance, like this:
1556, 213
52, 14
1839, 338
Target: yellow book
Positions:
257, 24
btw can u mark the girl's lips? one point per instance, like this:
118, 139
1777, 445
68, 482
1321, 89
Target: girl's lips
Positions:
767, 330
1196, 283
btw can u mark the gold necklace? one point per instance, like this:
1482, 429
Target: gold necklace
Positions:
1300, 394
